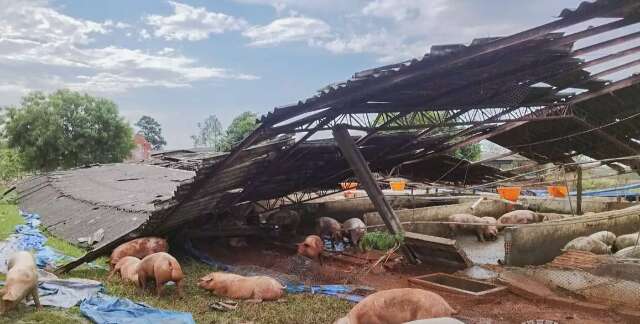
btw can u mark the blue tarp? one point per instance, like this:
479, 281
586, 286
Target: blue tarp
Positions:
623, 191
104, 309
65, 293
29, 238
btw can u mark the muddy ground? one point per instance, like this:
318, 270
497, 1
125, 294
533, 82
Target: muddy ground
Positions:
505, 308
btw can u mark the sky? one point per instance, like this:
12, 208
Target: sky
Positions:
181, 61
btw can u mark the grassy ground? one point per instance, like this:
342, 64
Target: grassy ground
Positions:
293, 309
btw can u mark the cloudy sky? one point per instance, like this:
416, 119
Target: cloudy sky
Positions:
180, 61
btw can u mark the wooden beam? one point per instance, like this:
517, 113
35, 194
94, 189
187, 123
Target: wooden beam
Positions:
360, 167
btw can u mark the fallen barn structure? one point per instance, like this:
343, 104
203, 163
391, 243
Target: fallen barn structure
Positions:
408, 117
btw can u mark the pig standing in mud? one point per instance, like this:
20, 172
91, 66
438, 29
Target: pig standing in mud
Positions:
329, 227
397, 306
284, 220
488, 232
312, 248
21, 282
354, 229
253, 289
160, 267
139, 248
127, 267
589, 244
519, 217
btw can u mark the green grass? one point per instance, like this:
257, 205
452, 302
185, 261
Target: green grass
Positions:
301, 308
9, 218
382, 241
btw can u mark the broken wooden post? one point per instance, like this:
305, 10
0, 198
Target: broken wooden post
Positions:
578, 191
360, 167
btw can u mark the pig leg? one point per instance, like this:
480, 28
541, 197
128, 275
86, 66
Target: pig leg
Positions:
112, 273
159, 287
142, 282
36, 298
179, 289
479, 234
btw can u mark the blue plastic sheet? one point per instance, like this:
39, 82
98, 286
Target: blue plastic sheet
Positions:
65, 293
339, 291
104, 309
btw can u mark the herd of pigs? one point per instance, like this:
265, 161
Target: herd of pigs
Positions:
147, 259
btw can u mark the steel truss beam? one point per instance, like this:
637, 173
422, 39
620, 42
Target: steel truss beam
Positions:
425, 119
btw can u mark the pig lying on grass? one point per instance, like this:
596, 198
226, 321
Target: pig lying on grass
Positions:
254, 289
127, 267
311, 247
138, 248
160, 267
21, 282
489, 232
397, 306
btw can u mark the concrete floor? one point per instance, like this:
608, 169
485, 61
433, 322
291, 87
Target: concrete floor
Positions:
488, 252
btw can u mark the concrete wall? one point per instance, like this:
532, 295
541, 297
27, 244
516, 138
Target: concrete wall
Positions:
491, 208
540, 243
562, 206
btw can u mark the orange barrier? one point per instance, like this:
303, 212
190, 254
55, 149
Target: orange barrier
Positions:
558, 191
397, 185
509, 193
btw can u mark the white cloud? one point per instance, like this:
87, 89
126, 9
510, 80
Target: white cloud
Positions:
388, 48
144, 34
192, 23
290, 29
45, 49
402, 10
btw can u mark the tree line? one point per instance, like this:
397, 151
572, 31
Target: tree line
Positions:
67, 129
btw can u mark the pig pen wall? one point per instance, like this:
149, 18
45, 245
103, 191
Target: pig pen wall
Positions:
562, 205
537, 244
344, 209
490, 208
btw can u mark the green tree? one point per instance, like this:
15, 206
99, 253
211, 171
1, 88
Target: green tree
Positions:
240, 127
209, 134
470, 152
67, 129
152, 132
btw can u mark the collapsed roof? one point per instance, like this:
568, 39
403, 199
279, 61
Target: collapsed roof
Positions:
414, 112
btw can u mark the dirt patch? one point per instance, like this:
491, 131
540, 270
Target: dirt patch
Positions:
505, 308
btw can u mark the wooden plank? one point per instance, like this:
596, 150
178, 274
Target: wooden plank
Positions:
360, 167
579, 191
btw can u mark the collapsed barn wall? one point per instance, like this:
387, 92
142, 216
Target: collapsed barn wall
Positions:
536, 244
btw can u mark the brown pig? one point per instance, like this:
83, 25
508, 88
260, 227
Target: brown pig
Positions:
21, 282
482, 232
519, 217
490, 231
139, 248
127, 267
254, 289
329, 227
162, 268
397, 306
354, 229
312, 248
